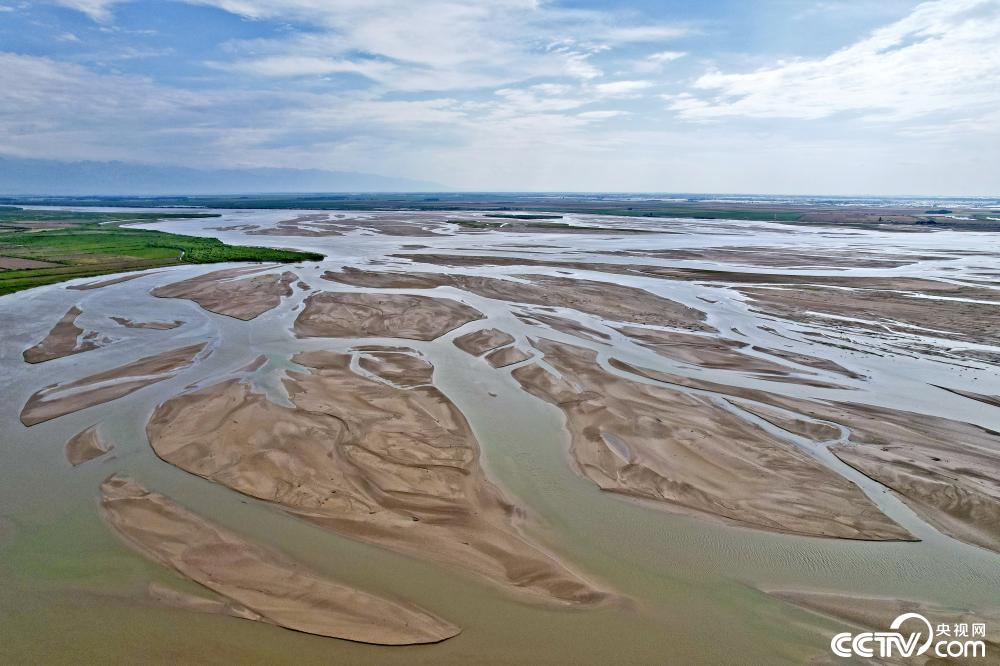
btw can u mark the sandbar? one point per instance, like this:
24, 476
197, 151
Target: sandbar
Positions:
394, 466
687, 453
352, 315
60, 399
86, 445
479, 342
62, 340
227, 292
274, 587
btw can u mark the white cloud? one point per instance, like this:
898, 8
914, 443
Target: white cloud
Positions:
622, 87
98, 10
940, 58
666, 56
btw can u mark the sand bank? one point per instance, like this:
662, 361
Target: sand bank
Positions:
107, 283
691, 455
155, 325
783, 257
607, 300
704, 351
563, 325
86, 445
60, 399
392, 466
400, 366
353, 315
63, 340
501, 358
273, 587
227, 292
947, 471
479, 342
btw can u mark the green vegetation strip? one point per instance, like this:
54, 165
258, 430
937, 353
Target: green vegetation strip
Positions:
90, 249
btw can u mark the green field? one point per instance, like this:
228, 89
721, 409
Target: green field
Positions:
97, 244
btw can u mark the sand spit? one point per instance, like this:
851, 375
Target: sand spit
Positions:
86, 445
737, 277
226, 292
165, 596
814, 430
501, 358
607, 300
107, 283
693, 456
479, 342
392, 466
351, 315
273, 587
563, 325
881, 310
60, 399
992, 400
155, 325
782, 257
704, 351
876, 614
62, 340
386, 279
402, 367
808, 361
947, 471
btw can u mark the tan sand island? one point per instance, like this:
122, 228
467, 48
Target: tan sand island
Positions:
563, 325
228, 292
107, 283
479, 342
270, 586
393, 466
703, 351
603, 299
63, 340
354, 315
60, 399
86, 445
400, 366
947, 471
154, 325
693, 456
501, 358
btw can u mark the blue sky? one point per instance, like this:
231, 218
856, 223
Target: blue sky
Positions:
771, 96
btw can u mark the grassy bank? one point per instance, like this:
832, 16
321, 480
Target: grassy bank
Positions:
36, 254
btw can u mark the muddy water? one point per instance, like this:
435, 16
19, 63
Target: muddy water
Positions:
70, 592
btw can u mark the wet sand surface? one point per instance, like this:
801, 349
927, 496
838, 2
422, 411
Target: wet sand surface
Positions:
61, 399
610, 301
691, 454
86, 445
268, 586
63, 340
396, 466
710, 409
226, 292
155, 325
330, 315
479, 342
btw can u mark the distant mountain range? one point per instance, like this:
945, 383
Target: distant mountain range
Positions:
20, 176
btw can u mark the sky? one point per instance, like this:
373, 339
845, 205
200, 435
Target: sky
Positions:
750, 96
